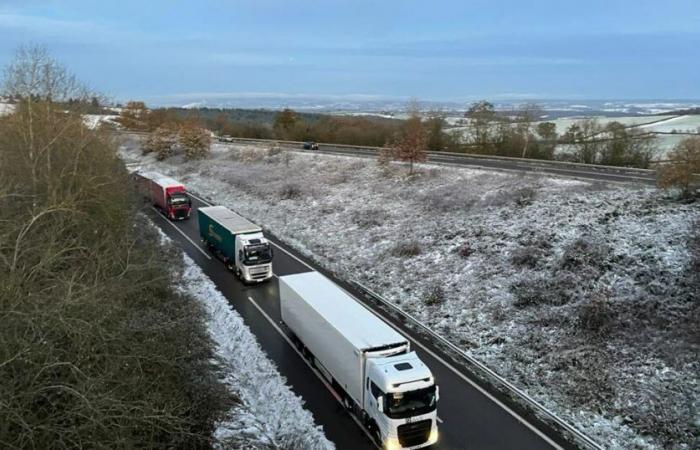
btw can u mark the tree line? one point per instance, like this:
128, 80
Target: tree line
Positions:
98, 349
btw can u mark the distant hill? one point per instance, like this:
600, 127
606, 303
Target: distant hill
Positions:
260, 116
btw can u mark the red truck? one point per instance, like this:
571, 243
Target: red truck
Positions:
166, 194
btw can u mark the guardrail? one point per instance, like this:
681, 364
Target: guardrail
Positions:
493, 377
530, 161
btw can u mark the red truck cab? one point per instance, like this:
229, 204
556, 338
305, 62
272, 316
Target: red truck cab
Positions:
166, 194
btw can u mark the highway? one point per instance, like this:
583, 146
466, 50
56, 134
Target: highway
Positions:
469, 417
588, 172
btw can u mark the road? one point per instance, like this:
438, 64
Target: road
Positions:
588, 172
470, 418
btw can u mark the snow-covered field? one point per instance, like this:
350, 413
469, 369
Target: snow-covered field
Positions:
6, 108
270, 415
94, 120
581, 294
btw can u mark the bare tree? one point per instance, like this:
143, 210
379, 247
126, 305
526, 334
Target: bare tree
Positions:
409, 145
481, 116
525, 117
683, 169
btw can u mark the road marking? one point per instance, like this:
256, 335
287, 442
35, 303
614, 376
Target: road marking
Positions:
183, 234
313, 369
430, 352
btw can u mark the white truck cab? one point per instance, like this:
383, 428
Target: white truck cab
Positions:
253, 257
402, 401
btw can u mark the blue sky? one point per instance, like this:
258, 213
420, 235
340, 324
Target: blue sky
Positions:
431, 50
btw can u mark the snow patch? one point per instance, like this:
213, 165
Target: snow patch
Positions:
270, 414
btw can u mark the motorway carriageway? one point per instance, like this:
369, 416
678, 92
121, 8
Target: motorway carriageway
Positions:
469, 418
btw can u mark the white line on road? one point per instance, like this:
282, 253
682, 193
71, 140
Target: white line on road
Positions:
184, 235
313, 369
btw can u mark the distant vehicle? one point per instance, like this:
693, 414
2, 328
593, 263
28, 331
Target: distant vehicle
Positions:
166, 194
368, 363
239, 242
310, 146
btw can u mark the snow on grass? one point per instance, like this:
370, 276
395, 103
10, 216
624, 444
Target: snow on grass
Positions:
582, 294
269, 415
94, 120
6, 109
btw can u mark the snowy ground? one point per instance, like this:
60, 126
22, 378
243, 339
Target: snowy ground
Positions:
270, 415
94, 120
581, 294
6, 108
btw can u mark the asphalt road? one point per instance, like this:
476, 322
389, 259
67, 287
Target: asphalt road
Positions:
582, 172
469, 418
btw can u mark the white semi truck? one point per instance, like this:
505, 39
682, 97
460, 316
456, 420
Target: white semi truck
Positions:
238, 241
365, 360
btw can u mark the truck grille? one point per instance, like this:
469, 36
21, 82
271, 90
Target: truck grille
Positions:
415, 433
258, 273
180, 213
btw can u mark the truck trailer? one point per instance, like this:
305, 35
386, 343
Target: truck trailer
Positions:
237, 241
166, 194
368, 363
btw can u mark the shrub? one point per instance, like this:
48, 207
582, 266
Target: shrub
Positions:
465, 250
290, 191
544, 290
681, 172
434, 295
585, 253
161, 142
195, 141
406, 249
595, 313
368, 218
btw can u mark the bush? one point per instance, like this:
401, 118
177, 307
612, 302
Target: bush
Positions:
407, 249
596, 312
369, 218
681, 172
585, 254
435, 295
556, 290
290, 191
195, 141
465, 250
161, 142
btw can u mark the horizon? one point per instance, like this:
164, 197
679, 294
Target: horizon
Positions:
450, 52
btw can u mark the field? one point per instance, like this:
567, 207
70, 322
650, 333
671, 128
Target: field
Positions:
582, 294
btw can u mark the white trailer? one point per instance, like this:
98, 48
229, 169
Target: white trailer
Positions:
366, 360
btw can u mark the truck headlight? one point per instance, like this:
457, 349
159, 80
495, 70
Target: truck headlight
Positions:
433, 435
392, 444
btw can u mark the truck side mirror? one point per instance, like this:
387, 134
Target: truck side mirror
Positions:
380, 404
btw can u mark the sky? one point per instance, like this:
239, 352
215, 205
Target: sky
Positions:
178, 51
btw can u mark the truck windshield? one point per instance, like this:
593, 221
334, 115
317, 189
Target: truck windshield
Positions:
257, 254
179, 199
413, 403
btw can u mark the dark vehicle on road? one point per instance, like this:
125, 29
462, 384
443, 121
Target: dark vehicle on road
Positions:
309, 145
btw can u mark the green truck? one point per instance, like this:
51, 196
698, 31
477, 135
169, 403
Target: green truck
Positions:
237, 241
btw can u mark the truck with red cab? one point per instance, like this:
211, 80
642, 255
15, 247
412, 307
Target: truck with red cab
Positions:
166, 194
